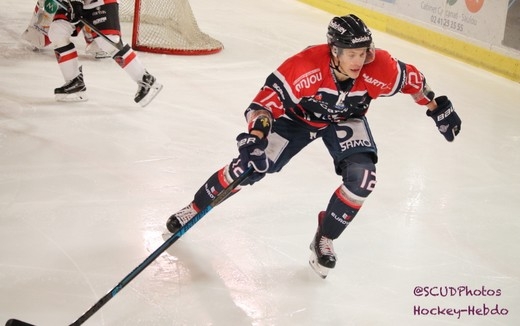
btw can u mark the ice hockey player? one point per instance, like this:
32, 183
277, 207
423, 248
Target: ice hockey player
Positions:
324, 92
104, 15
36, 33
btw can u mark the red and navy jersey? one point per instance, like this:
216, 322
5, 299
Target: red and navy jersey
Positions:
304, 88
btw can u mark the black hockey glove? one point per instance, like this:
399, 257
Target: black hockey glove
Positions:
446, 119
252, 152
75, 11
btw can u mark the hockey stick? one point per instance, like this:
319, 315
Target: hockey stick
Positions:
119, 45
101, 302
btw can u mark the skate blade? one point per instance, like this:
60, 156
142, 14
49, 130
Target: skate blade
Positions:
74, 97
321, 270
154, 90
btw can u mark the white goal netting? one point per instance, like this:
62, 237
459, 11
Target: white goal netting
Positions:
166, 26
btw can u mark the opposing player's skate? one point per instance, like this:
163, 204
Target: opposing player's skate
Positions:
94, 50
147, 89
323, 257
177, 220
73, 91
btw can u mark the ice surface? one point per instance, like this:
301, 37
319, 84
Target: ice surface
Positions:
85, 190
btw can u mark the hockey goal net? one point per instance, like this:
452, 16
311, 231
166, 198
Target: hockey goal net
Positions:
167, 27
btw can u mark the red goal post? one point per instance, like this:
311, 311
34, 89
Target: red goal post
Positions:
167, 27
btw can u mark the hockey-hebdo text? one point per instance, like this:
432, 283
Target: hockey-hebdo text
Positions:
482, 309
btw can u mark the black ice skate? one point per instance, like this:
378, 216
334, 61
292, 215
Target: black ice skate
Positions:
73, 91
147, 89
177, 220
323, 257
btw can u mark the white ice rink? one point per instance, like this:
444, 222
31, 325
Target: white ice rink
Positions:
86, 188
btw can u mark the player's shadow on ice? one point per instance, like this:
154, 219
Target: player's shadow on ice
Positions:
196, 262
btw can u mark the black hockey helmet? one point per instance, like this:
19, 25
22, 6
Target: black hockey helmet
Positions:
348, 32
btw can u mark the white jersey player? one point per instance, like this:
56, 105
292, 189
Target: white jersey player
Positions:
104, 16
36, 34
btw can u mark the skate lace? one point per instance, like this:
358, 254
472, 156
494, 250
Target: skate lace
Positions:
326, 247
143, 87
146, 83
185, 214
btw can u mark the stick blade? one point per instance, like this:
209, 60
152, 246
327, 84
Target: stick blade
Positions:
16, 322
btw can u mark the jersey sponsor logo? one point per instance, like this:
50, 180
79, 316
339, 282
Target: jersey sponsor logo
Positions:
375, 82
306, 80
355, 143
343, 219
99, 20
50, 6
212, 193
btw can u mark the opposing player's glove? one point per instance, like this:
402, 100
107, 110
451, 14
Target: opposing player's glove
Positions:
445, 117
252, 152
75, 11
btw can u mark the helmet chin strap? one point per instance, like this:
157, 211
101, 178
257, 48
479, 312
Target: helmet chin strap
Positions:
335, 66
